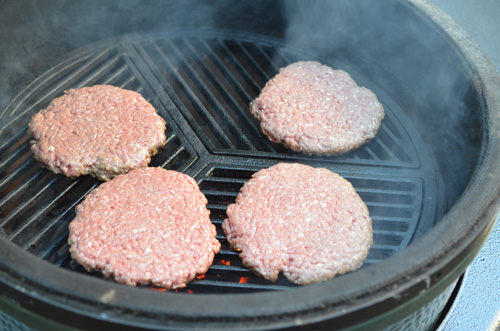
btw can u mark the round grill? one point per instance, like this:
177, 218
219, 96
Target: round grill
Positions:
202, 83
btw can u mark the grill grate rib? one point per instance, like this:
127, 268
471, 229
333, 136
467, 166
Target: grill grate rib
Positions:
202, 85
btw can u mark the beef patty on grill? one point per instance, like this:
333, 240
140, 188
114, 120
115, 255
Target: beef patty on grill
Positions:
150, 226
100, 130
311, 108
307, 222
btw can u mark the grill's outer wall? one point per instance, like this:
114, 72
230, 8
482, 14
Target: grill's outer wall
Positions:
410, 277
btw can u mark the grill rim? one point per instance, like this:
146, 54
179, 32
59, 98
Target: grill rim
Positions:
18, 264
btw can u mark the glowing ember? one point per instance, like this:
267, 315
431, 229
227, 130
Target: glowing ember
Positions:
226, 262
189, 291
159, 289
243, 280
200, 276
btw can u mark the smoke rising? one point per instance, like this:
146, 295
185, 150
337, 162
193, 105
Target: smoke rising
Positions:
389, 47
35, 35
384, 45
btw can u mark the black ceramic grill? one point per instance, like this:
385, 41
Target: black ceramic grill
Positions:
430, 177
202, 83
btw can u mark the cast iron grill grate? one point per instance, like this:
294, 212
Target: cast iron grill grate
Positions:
202, 83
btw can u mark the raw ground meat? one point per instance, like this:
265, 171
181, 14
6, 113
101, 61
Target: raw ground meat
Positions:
101, 130
308, 223
150, 226
311, 108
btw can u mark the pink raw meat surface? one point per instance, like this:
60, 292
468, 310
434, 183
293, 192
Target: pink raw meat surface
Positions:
311, 108
308, 223
100, 130
150, 226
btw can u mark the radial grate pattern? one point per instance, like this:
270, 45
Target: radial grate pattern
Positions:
202, 84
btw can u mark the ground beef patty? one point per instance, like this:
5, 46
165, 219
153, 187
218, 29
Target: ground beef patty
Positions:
150, 226
100, 130
307, 222
311, 108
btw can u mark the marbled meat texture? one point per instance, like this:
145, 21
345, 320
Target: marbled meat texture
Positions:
101, 130
311, 108
150, 226
308, 223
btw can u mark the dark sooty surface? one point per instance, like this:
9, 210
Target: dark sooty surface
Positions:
201, 84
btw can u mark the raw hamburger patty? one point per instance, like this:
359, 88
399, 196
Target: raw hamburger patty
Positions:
307, 222
100, 130
150, 226
311, 108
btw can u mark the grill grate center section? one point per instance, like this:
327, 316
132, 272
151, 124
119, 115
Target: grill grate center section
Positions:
202, 83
